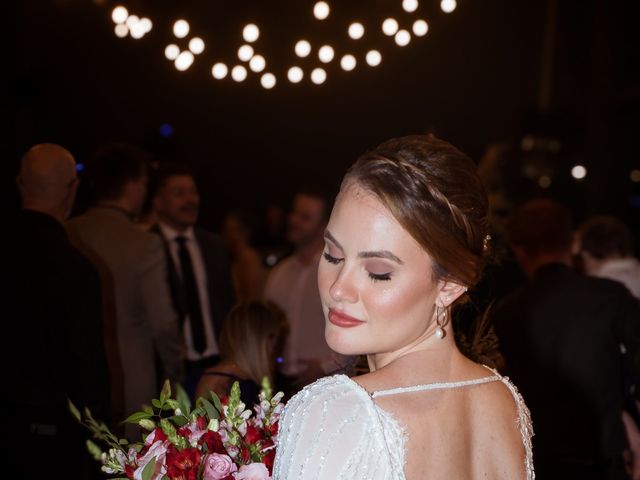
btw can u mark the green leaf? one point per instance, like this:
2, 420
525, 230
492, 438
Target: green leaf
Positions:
266, 388
136, 417
212, 412
156, 403
216, 401
147, 424
74, 411
183, 400
166, 391
94, 450
147, 409
147, 471
123, 441
178, 421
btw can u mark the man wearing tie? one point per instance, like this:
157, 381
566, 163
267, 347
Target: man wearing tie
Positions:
199, 268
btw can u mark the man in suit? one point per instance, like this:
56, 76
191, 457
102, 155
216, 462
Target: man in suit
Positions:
53, 325
133, 269
199, 269
293, 286
560, 335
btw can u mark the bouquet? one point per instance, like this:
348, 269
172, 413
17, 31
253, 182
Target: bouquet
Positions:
217, 440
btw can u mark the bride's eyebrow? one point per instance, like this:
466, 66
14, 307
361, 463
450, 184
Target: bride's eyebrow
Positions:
381, 254
332, 239
374, 254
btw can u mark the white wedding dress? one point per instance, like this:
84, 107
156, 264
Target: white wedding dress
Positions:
333, 430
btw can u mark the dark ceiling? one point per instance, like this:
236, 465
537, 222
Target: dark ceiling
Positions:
489, 72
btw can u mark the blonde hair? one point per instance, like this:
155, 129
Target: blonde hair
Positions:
250, 337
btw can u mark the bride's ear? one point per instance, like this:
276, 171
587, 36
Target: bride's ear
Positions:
449, 292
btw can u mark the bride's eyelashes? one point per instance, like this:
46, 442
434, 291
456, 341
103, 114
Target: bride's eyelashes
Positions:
380, 277
331, 259
376, 277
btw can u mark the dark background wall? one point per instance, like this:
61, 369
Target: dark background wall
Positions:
492, 71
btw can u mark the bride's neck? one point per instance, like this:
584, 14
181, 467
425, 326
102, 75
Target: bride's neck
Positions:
432, 350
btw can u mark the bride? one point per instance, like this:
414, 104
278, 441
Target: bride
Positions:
405, 241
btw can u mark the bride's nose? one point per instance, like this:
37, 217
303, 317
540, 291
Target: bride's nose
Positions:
343, 288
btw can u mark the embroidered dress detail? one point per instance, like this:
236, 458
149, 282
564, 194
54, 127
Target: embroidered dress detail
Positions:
333, 430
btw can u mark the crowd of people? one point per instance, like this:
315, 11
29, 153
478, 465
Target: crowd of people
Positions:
107, 304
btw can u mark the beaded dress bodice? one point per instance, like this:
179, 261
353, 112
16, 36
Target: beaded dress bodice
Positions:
333, 430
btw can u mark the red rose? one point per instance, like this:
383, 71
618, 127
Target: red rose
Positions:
184, 432
268, 459
128, 470
253, 434
213, 441
201, 422
159, 435
273, 429
245, 455
183, 464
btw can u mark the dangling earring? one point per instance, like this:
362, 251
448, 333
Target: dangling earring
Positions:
441, 321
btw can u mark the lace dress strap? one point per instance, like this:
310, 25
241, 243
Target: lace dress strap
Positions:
524, 423
524, 417
435, 386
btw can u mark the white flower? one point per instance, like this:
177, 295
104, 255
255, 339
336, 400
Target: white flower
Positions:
158, 451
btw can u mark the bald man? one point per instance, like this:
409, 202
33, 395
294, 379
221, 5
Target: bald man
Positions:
52, 319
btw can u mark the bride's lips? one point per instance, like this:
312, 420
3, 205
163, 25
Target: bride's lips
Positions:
343, 320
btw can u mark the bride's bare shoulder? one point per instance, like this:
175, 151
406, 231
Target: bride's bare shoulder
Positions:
499, 443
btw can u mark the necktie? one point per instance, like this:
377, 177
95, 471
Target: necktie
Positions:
192, 296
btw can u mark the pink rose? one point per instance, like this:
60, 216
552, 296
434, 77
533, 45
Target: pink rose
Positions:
253, 471
217, 466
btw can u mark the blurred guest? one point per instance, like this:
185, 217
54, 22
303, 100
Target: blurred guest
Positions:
293, 286
247, 269
199, 272
132, 266
53, 326
606, 251
605, 247
271, 239
560, 336
251, 338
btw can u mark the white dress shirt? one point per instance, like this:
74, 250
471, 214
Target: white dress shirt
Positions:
201, 279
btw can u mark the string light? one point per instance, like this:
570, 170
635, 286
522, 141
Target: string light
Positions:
303, 48
348, 63
321, 10
448, 6
239, 73
268, 81
121, 30
390, 27
250, 33
130, 24
245, 52
356, 30
420, 28
181, 28
402, 38
184, 61
137, 30
295, 74
318, 76
326, 53
119, 14
171, 52
578, 172
146, 23
219, 71
373, 58
410, 5
196, 45
257, 63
